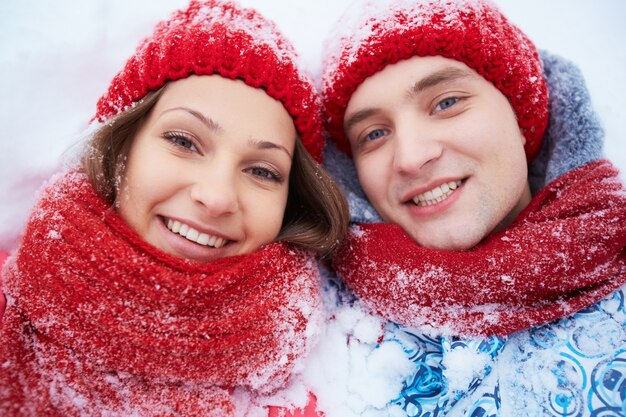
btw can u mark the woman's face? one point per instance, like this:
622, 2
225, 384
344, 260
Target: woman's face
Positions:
207, 174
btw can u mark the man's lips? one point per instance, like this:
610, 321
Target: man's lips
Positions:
436, 194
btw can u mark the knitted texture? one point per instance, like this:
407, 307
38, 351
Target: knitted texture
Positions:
219, 37
473, 32
99, 322
532, 273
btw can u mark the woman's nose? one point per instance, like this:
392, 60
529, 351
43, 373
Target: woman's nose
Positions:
216, 193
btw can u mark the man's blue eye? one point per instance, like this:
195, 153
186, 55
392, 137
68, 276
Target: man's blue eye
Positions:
447, 102
375, 134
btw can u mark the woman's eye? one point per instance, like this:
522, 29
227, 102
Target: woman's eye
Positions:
375, 134
266, 174
446, 103
181, 141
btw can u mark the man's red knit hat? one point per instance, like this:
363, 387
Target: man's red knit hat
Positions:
474, 32
219, 37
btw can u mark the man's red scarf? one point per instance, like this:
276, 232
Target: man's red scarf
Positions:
564, 252
99, 322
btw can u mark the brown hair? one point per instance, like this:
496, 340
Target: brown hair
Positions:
316, 216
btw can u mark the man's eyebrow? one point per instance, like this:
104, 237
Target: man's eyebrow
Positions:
267, 144
207, 121
444, 75
359, 117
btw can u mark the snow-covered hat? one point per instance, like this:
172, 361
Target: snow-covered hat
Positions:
219, 37
474, 32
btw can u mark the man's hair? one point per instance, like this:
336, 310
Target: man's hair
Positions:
316, 216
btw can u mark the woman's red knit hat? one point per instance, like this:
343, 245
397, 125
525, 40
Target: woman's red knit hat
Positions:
219, 37
474, 32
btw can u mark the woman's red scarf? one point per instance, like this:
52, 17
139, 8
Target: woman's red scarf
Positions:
99, 322
564, 252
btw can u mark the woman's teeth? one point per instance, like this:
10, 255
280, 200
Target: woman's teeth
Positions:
193, 235
437, 194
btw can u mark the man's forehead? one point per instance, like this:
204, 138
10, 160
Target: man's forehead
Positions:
411, 77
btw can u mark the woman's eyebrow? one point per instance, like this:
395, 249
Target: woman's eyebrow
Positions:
206, 120
267, 144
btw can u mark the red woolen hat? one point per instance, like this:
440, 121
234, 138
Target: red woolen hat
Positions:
474, 32
219, 37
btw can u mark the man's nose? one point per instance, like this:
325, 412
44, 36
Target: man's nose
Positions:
415, 147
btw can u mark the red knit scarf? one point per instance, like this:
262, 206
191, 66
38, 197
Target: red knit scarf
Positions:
101, 323
564, 252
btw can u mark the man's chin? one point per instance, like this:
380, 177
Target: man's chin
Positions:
448, 241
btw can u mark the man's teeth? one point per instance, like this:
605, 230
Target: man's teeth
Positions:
437, 194
192, 234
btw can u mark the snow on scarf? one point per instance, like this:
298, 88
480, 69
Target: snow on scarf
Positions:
565, 251
101, 323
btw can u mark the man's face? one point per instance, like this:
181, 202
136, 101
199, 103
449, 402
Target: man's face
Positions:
438, 151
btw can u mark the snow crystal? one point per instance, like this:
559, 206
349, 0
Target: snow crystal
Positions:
507, 279
53, 234
356, 322
463, 365
350, 373
356, 231
368, 329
